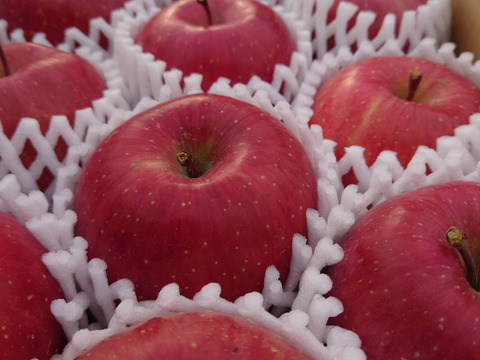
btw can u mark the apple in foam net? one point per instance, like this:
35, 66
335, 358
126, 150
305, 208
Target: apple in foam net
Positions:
195, 335
381, 8
53, 17
223, 216
407, 292
27, 327
224, 38
40, 82
394, 103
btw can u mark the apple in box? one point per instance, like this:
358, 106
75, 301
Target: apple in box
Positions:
409, 277
204, 188
381, 8
53, 17
394, 103
221, 38
38, 81
27, 327
195, 335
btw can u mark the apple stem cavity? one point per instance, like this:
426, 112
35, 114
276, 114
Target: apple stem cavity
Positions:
205, 6
3, 57
459, 241
414, 81
185, 159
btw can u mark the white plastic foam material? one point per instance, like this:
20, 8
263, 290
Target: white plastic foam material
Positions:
113, 98
146, 76
429, 20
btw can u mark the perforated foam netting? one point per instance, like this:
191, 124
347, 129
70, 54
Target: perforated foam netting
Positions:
298, 309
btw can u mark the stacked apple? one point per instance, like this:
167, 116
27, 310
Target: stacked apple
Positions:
396, 103
27, 327
53, 17
38, 82
218, 39
206, 188
200, 189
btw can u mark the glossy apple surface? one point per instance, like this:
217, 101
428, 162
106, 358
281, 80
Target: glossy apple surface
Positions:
43, 82
53, 17
366, 104
245, 38
152, 223
195, 335
403, 285
27, 327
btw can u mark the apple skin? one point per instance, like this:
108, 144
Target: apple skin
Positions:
179, 34
43, 82
27, 327
195, 335
378, 116
381, 8
53, 17
402, 285
154, 225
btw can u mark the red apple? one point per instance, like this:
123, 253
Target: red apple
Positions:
242, 39
53, 17
404, 288
392, 103
27, 327
195, 335
43, 82
226, 220
381, 8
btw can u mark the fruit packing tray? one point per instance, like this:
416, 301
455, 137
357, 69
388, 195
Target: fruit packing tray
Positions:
301, 307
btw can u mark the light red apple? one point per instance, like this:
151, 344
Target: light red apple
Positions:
226, 220
367, 103
43, 82
53, 17
243, 38
404, 288
195, 335
27, 327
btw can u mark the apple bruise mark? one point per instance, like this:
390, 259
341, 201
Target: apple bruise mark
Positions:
414, 81
205, 6
458, 240
6, 69
185, 159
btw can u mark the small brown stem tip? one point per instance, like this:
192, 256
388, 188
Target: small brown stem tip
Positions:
414, 81
459, 241
185, 159
205, 6
3, 58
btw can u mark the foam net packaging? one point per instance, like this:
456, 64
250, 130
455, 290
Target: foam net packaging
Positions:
301, 307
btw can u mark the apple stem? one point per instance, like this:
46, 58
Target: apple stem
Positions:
204, 4
185, 159
6, 69
458, 240
415, 79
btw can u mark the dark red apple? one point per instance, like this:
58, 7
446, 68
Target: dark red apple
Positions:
224, 217
53, 17
43, 82
392, 103
239, 39
406, 291
27, 327
195, 335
